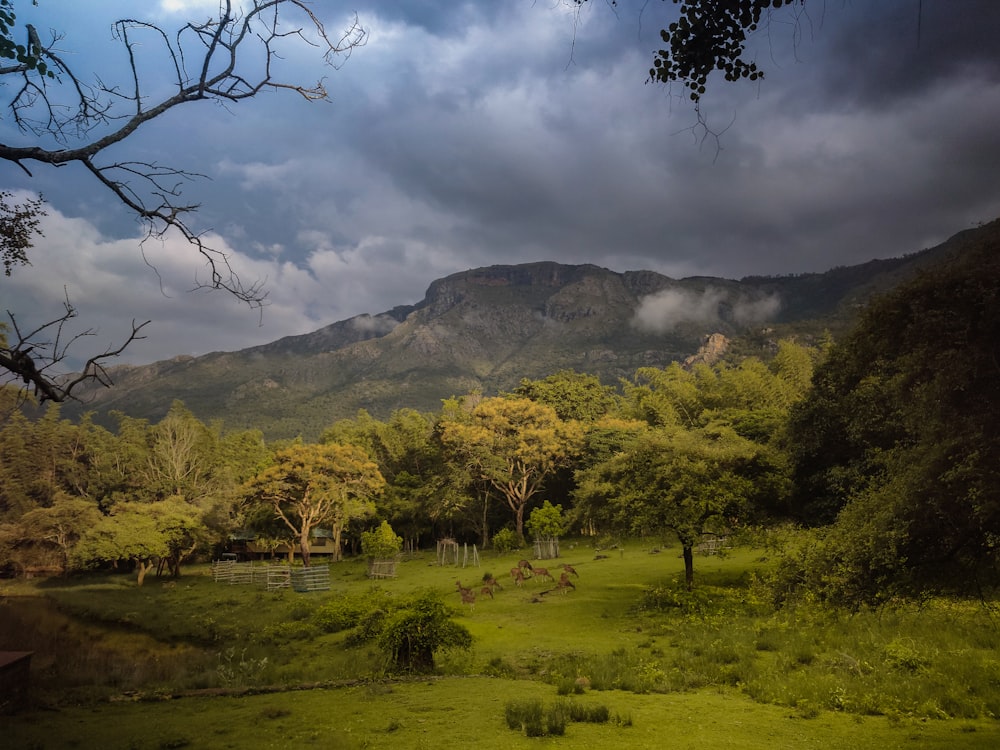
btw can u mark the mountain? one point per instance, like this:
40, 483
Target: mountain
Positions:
485, 329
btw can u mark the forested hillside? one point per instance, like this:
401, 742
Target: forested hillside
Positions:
484, 330
885, 440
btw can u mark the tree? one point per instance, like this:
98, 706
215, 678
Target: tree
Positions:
685, 482
546, 522
382, 542
710, 36
408, 458
413, 633
224, 59
129, 533
309, 486
901, 438
514, 444
573, 395
60, 526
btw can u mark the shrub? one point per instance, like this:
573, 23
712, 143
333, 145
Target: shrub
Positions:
506, 540
348, 612
413, 633
382, 543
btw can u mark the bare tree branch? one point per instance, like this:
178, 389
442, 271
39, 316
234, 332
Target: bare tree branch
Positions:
224, 59
218, 51
30, 356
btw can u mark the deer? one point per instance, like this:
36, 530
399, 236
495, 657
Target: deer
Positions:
492, 583
570, 569
518, 575
564, 583
468, 597
463, 590
525, 565
543, 573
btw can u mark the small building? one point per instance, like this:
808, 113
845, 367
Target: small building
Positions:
244, 544
15, 671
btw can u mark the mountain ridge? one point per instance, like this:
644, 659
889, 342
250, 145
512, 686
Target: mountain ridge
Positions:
486, 328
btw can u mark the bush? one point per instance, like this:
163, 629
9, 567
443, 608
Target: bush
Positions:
506, 540
415, 631
348, 612
382, 543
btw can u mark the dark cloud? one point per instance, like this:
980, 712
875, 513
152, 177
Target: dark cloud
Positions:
875, 53
468, 134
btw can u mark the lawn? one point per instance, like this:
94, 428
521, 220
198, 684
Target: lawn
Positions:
197, 663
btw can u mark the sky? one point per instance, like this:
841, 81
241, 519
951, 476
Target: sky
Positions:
468, 134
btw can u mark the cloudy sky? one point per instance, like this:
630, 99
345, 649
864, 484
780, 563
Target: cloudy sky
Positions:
466, 134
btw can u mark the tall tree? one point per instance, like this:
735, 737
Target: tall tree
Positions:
309, 486
684, 482
904, 428
573, 395
514, 444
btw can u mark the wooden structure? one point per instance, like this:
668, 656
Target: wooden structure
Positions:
313, 578
546, 549
447, 548
15, 672
713, 545
382, 568
244, 544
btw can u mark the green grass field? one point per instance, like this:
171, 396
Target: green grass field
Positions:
196, 663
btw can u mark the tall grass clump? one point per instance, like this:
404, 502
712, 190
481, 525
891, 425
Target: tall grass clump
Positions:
535, 719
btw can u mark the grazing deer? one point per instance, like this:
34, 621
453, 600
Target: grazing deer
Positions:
525, 565
570, 569
487, 591
543, 573
518, 575
491, 582
564, 583
463, 590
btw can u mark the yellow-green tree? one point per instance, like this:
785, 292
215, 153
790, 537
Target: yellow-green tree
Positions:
311, 486
686, 483
514, 444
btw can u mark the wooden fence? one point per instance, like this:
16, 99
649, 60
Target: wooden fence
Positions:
269, 575
314, 578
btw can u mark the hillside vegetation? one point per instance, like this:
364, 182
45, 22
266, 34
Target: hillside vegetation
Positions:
485, 329
808, 523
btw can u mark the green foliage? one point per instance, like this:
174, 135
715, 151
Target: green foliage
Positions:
346, 612
236, 670
899, 440
573, 395
382, 542
19, 222
412, 634
506, 540
546, 522
536, 719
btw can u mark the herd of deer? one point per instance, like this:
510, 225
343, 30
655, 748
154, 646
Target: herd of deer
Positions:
523, 572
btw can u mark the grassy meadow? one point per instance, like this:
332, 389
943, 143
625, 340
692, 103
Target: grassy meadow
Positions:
196, 663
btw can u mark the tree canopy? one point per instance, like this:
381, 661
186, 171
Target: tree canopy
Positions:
900, 439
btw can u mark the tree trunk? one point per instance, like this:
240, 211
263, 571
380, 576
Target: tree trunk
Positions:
304, 546
689, 566
338, 531
143, 567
